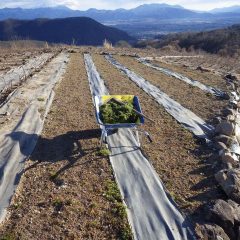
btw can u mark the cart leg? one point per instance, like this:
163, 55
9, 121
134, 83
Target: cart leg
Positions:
136, 136
138, 139
102, 138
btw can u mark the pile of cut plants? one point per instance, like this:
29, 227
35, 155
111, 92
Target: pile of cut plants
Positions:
113, 112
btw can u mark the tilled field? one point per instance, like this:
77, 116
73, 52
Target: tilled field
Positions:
190, 97
174, 153
202, 76
32, 63
211, 62
68, 190
16, 57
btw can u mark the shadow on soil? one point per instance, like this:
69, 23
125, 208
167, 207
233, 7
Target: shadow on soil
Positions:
63, 147
208, 187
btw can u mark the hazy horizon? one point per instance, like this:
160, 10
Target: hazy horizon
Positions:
200, 5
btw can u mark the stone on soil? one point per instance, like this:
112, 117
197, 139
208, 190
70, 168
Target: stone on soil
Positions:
224, 139
226, 215
228, 111
229, 180
226, 128
211, 232
228, 157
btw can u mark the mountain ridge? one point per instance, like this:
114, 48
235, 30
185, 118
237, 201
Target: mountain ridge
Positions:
60, 11
232, 9
80, 30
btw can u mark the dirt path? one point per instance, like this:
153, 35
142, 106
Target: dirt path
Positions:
175, 155
204, 105
67, 190
203, 77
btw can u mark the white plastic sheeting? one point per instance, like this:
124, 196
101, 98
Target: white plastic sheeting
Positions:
151, 213
15, 75
22, 118
209, 89
184, 116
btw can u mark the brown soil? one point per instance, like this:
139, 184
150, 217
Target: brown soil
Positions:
16, 57
218, 64
203, 77
176, 156
203, 104
15, 63
65, 192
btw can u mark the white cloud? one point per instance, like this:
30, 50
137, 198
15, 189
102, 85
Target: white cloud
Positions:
110, 4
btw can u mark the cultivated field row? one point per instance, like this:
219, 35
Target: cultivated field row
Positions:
15, 77
67, 152
11, 58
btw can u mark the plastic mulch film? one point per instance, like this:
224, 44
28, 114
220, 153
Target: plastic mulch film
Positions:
184, 116
151, 212
22, 117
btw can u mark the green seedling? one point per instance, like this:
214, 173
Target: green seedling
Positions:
8, 236
40, 99
58, 204
103, 152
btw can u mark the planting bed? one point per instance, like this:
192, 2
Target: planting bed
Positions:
215, 63
68, 190
192, 98
16, 57
174, 153
208, 78
12, 79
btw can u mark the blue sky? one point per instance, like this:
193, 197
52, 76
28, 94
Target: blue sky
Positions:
113, 4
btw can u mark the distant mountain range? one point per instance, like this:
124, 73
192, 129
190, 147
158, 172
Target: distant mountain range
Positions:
149, 11
78, 30
144, 21
233, 9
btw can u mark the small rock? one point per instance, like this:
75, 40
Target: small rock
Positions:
211, 232
234, 95
232, 77
224, 139
226, 215
228, 111
229, 180
217, 120
231, 118
233, 105
226, 128
228, 157
220, 146
203, 69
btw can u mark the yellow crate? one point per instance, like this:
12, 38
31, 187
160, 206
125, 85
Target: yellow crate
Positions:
123, 98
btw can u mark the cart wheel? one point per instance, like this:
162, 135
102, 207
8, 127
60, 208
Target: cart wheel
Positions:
115, 130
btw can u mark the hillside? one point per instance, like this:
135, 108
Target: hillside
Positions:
80, 31
56, 181
224, 41
68, 188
